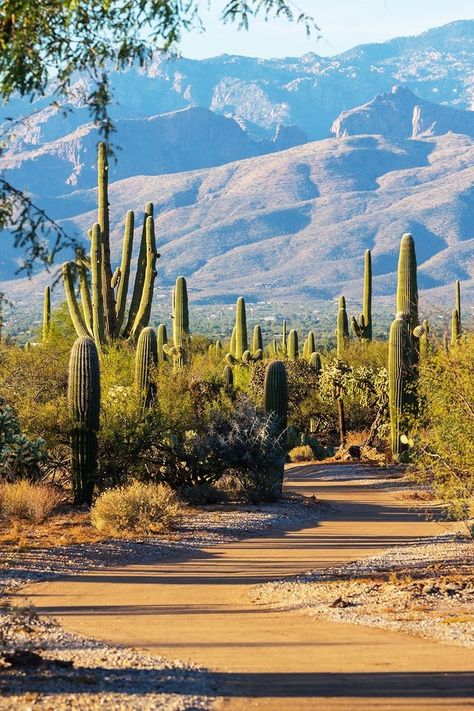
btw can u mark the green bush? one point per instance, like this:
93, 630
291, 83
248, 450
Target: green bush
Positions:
444, 439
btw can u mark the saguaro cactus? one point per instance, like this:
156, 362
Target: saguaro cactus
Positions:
342, 330
362, 328
315, 362
162, 341
228, 378
275, 392
84, 407
399, 376
111, 289
423, 334
284, 339
407, 292
241, 340
180, 348
46, 314
292, 346
275, 400
146, 358
257, 340
456, 327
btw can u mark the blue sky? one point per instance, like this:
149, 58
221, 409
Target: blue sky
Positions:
344, 23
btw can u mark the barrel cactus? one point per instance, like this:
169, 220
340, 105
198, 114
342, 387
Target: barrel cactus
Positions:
84, 408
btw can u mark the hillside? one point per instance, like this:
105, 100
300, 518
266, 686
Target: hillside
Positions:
293, 225
309, 91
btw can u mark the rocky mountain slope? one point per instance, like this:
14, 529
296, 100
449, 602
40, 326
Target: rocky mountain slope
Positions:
170, 143
309, 91
402, 114
293, 225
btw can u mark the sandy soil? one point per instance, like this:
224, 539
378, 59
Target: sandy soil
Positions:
196, 606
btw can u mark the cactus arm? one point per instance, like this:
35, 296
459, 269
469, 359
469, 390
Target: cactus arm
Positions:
122, 290
143, 314
140, 273
86, 303
46, 314
74, 309
108, 296
162, 341
257, 340
98, 322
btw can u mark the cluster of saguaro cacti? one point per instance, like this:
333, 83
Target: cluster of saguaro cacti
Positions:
239, 351
404, 349
101, 311
362, 328
146, 359
179, 351
84, 407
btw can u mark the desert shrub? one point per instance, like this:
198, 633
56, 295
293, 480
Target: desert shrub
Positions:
20, 457
136, 508
203, 494
25, 500
231, 487
34, 384
363, 388
303, 453
444, 438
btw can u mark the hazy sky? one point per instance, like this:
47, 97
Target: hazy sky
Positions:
343, 23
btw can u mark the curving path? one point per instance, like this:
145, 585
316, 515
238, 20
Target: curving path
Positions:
195, 607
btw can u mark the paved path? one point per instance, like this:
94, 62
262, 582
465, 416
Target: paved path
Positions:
196, 608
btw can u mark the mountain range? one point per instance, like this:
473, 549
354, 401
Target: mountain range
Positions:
252, 196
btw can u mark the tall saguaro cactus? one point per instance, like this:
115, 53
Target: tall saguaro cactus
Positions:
146, 358
399, 372
342, 330
362, 328
241, 339
84, 408
46, 314
275, 400
407, 292
111, 289
180, 348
